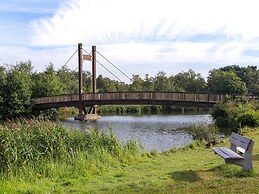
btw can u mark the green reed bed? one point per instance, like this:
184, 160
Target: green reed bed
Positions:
32, 149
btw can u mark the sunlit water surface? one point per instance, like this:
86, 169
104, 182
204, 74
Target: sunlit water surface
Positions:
160, 132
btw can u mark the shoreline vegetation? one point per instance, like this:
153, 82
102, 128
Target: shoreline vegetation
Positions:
63, 113
147, 109
44, 157
39, 156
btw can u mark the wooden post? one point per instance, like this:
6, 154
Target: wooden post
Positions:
80, 76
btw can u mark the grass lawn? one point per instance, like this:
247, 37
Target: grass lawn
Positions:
190, 170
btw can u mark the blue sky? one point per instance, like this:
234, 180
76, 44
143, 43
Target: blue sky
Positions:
139, 36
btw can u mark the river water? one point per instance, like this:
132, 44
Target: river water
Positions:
160, 132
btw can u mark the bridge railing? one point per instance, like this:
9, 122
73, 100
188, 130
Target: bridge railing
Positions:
176, 96
155, 96
56, 99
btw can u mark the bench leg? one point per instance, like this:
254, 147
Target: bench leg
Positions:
246, 164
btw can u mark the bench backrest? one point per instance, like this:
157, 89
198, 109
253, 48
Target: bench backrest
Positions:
239, 141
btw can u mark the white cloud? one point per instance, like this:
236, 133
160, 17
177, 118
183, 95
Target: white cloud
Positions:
116, 20
147, 36
40, 58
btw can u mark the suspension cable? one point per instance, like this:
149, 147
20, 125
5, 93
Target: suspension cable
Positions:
87, 52
114, 65
69, 59
109, 71
65, 65
104, 66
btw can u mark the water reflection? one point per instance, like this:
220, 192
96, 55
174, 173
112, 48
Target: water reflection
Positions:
153, 131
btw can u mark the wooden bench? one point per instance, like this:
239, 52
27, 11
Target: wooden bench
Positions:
240, 152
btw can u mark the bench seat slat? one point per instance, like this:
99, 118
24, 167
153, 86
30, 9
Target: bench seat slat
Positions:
227, 153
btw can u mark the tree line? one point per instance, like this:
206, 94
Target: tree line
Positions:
20, 83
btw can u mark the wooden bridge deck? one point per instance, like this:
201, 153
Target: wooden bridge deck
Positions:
131, 98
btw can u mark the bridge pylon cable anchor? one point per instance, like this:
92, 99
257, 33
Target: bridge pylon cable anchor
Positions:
90, 115
87, 117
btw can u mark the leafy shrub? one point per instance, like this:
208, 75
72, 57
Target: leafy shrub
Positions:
205, 132
225, 113
220, 115
250, 119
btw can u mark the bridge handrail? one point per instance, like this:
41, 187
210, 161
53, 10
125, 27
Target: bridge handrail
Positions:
162, 96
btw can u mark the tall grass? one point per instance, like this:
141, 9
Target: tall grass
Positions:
204, 132
33, 148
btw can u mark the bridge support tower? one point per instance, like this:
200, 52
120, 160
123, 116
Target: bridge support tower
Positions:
83, 113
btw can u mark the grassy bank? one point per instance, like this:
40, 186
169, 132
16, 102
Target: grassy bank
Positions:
98, 169
32, 151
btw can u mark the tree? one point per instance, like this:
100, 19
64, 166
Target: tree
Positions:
69, 79
87, 81
105, 84
249, 75
190, 81
137, 83
122, 87
162, 83
16, 91
225, 82
148, 84
47, 83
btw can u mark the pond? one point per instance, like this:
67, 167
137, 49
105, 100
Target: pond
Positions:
160, 132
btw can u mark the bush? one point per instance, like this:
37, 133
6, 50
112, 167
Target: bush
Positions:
220, 115
250, 119
225, 114
205, 132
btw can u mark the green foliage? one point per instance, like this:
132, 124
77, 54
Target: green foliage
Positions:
161, 82
15, 91
226, 82
154, 152
196, 170
18, 84
205, 132
233, 171
250, 118
137, 83
231, 114
249, 75
47, 83
129, 109
70, 80
105, 84
145, 109
220, 115
49, 114
32, 143
191, 81
148, 84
